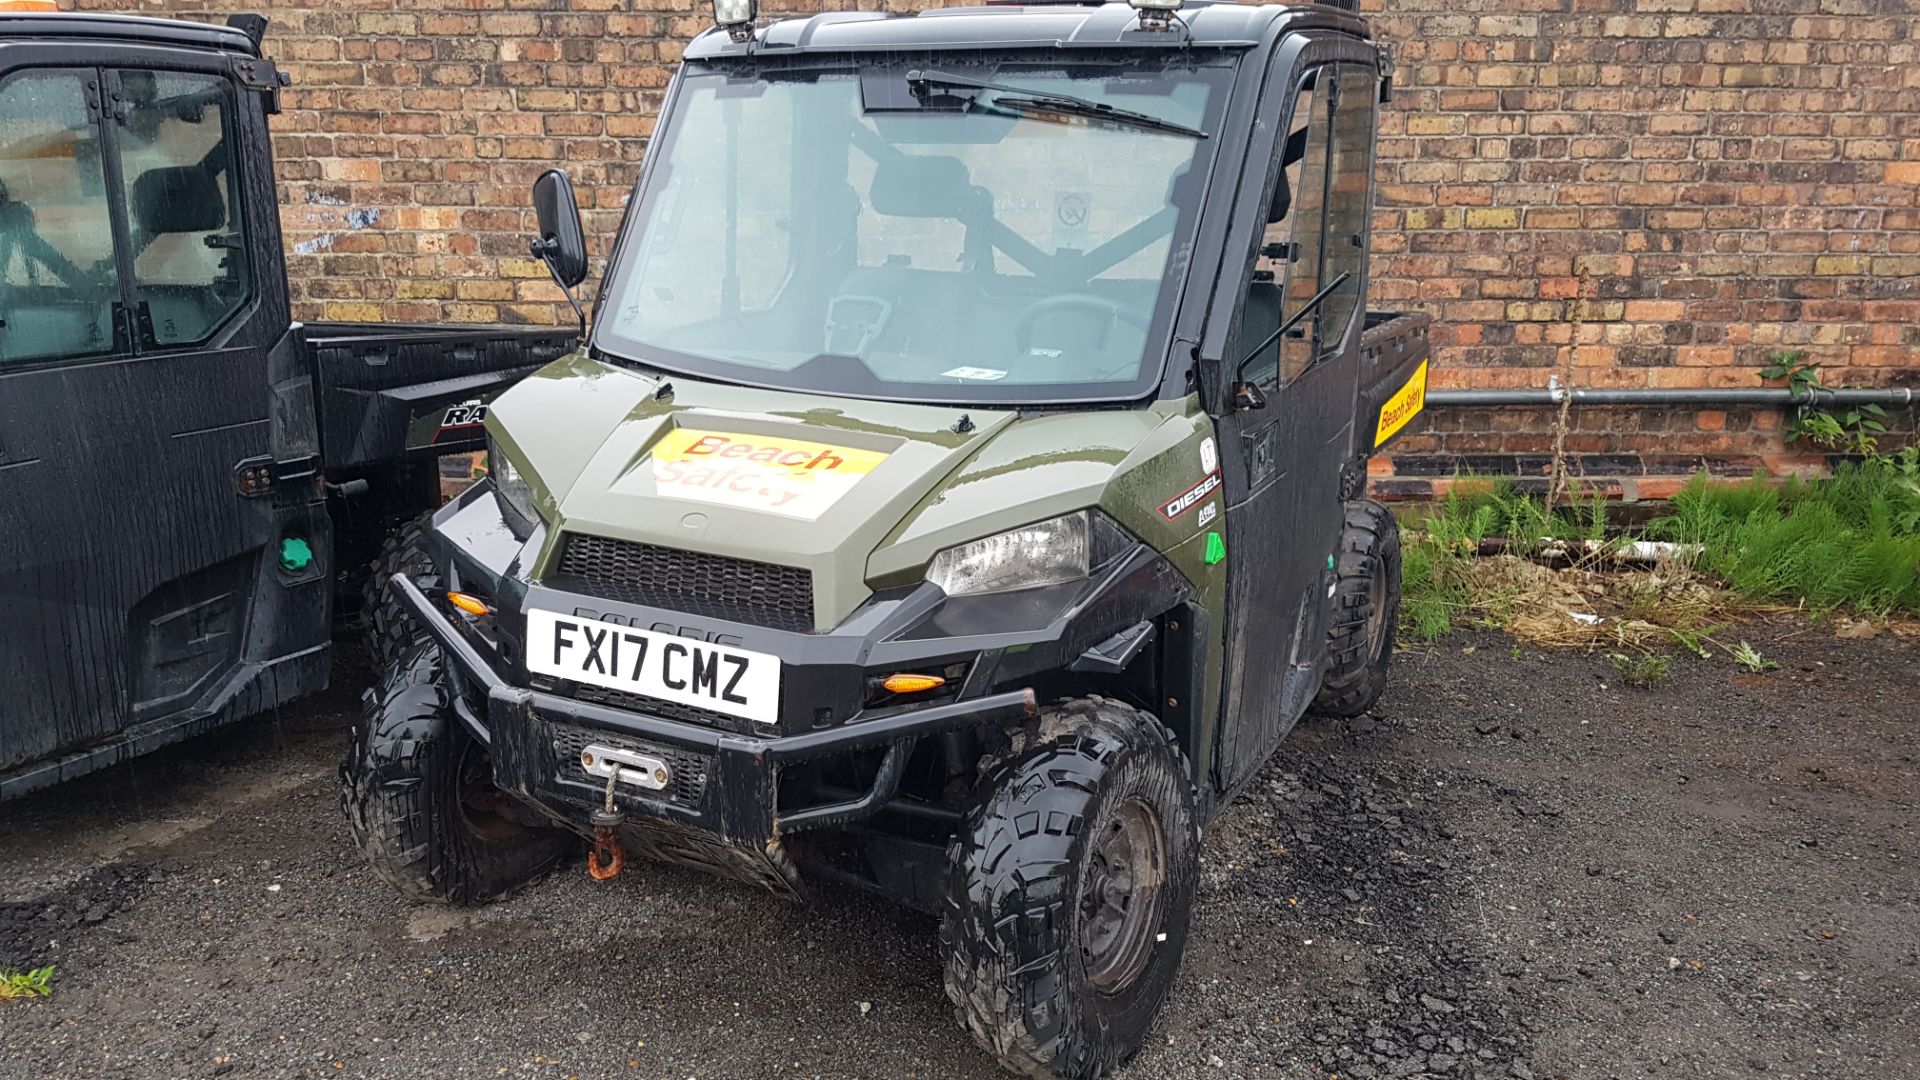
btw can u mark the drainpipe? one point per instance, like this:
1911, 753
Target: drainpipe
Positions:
1779, 398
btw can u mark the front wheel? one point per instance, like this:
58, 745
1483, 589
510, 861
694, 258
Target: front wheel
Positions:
420, 800
1070, 892
1366, 612
388, 628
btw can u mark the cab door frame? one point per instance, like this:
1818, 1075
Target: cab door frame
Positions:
1281, 464
142, 571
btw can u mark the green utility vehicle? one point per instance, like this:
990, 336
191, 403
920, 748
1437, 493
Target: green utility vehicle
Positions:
959, 495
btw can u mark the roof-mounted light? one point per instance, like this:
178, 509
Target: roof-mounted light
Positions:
29, 5
735, 17
1155, 14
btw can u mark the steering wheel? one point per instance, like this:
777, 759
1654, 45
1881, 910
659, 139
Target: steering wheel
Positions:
1023, 325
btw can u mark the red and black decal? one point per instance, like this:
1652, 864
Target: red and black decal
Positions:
460, 418
1191, 497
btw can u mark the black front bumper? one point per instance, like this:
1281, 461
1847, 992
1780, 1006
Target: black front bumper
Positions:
730, 797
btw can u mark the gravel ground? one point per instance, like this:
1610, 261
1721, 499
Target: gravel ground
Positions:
1514, 868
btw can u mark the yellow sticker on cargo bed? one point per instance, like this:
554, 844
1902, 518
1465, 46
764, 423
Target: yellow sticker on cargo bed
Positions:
791, 477
1403, 406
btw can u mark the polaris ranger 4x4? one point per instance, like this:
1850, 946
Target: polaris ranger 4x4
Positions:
184, 471
959, 496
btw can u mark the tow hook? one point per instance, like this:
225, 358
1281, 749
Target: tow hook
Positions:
606, 859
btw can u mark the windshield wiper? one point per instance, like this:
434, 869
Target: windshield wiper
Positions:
1021, 99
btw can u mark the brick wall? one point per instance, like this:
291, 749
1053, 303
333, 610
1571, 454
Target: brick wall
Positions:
1650, 193
1686, 185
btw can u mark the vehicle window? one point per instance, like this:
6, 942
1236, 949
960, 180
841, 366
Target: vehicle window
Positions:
1349, 185
178, 160
57, 276
830, 231
1288, 260
1316, 228
698, 270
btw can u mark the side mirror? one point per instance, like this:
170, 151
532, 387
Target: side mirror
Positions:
560, 243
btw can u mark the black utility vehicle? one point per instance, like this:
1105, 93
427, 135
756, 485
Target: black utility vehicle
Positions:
183, 473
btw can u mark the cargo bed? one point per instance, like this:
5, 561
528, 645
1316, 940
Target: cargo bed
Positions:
1393, 374
383, 391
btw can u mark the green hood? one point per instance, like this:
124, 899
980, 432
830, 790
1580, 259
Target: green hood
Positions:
857, 492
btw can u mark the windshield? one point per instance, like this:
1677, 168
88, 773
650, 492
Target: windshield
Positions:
932, 238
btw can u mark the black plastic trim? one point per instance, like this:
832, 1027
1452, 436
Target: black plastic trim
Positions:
886, 783
877, 731
133, 29
1054, 27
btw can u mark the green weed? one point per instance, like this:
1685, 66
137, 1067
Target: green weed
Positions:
1749, 659
1645, 671
1694, 640
31, 984
1433, 589
1851, 431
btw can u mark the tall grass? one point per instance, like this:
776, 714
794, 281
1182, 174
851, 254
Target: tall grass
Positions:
1850, 541
1437, 585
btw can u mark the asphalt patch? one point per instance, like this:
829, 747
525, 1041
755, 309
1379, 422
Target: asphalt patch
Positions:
27, 928
1358, 876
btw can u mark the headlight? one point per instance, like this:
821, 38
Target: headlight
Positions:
511, 488
1051, 552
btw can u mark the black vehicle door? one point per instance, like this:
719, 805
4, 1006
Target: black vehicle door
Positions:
1304, 239
133, 387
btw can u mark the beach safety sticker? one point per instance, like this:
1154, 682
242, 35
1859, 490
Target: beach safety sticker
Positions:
790, 477
1403, 406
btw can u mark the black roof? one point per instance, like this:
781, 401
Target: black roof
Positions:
1036, 25
129, 28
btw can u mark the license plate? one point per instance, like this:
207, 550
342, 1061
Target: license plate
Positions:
626, 658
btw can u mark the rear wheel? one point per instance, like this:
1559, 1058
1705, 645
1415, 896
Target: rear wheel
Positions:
1070, 892
420, 800
387, 627
1366, 611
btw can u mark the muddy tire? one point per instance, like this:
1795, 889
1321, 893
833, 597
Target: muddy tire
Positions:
420, 801
385, 626
1070, 889
1366, 612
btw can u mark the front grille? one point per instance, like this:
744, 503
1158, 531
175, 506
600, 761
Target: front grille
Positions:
715, 585
689, 768
671, 710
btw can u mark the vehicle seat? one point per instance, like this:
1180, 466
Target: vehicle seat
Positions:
186, 284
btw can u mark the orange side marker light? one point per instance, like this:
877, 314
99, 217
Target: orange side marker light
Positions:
472, 605
912, 684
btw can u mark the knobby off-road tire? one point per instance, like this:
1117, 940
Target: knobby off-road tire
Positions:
1366, 612
419, 797
1097, 803
386, 627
